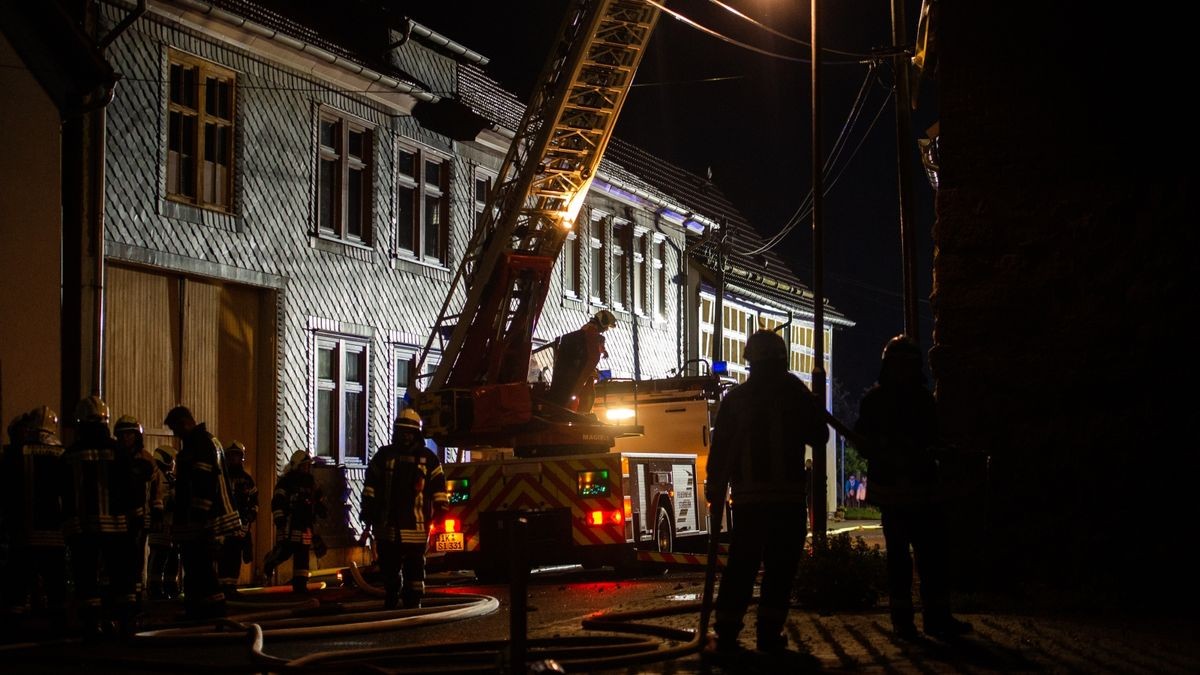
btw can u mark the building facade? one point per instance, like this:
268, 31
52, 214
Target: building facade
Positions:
283, 210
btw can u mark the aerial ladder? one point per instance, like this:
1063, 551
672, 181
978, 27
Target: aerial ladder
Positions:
479, 394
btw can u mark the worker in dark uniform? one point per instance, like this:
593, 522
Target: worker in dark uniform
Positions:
405, 491
238, 548
575, 362
31, 475
898, 422
758, 450
163, 581
295, 508
141, 494
203, 513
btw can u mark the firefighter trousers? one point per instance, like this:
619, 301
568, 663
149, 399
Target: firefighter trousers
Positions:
403, 569
770, 535
923, 528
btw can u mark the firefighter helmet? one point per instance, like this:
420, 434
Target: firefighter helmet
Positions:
92, 409
42, 419
236, 447
408, 420
765, 345
127, 423
16, 428
606, 319
299, 459
165, 456
901, 346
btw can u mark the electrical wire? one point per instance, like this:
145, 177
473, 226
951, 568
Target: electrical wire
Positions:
734, 11
737, 43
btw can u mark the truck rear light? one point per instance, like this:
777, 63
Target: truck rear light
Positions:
450, 525
628, 507
600, 518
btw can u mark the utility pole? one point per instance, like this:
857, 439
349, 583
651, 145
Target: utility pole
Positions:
820, 480
908, 221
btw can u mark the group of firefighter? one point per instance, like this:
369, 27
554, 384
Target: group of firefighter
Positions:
118, 522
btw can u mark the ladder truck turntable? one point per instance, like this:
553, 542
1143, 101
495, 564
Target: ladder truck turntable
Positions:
592, 491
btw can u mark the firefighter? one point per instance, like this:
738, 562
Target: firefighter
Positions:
405, 487
203, 513
295, 508
238, 547
32, 467
572, 381
96, 520
163, 581
758, 450
143, 492
898, 421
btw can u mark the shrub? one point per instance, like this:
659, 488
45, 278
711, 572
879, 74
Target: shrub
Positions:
840, 574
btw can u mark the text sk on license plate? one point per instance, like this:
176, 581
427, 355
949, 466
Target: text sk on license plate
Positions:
448, 541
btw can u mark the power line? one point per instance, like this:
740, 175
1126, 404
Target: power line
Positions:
785, 36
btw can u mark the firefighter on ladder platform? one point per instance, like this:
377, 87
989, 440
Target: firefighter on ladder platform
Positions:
573, 380
758, 450
405, 493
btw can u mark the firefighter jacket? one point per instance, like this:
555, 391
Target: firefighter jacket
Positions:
99, 491
759, 437
31, 476
403, 487
898, 422
145, 490
202, 505
245, 495
160, 531
295, 507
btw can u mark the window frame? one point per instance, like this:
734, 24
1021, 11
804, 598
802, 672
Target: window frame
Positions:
199, 150
598, 240
339, 442
343, 126
660, 274
572, 269
422, 191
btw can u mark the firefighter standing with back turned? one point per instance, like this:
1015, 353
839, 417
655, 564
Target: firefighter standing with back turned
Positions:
405, 488
758, 449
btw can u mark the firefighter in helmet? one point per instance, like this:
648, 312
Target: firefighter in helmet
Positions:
758, 451
96, 520
203, 513
32, 467
163, 582
405, 491
898, 422
575, 363
295, 508
238, 548
143, 494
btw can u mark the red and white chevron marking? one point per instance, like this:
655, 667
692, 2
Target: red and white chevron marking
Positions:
678, 559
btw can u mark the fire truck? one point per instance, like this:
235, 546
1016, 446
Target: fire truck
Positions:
593, 487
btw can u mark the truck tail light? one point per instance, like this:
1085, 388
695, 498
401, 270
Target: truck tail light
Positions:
450, 525
600, 518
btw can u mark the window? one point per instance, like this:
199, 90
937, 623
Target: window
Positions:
597, 250
621, 258
639, 274
660, 272
200, 110
423, 215
344, 191
341, 399
483, 186
403, 361
571, 253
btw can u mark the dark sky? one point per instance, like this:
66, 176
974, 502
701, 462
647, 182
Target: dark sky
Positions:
699, 102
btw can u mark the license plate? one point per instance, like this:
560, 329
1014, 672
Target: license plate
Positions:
448, 541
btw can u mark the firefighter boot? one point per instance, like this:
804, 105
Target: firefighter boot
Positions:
392, 599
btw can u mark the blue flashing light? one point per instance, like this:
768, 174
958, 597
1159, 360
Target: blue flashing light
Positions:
605, 375
720, 367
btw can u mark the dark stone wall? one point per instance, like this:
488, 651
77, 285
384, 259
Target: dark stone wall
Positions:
1065, 241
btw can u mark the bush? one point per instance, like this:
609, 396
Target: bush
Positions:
841, 574
861, 513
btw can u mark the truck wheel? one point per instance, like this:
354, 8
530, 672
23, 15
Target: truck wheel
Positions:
664, 534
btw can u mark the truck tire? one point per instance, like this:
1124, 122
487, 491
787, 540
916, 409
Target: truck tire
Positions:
664, 532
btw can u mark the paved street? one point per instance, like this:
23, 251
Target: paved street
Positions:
559, 600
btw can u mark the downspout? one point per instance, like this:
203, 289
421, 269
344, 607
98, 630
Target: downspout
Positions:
680, 278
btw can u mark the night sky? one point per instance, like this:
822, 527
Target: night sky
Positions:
700, 102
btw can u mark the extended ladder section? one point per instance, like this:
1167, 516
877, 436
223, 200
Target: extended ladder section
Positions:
546, 174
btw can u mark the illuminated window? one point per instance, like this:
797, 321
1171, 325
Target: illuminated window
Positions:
344, 184
200, 112
599, 269
340, 394
660, 272
571, 255
640, 253
423, 214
